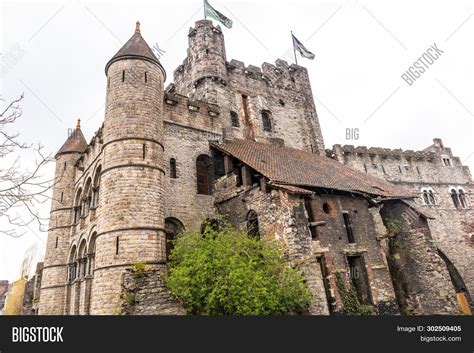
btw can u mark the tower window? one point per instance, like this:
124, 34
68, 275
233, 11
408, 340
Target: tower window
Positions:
431, 197
234, 118
116, 245
64, 165
455, 198
418, 171
463, 199
56, 245
144, 151
123, 76
145, 78
446, 162
267, 123
173, 168
62, 195
425, 198
349, 227
400, 169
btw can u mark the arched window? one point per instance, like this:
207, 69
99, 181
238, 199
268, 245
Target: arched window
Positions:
431, 197
91, 254
77, 205
266, 120
87, 199
463, 199
82, 260
203, 167
252, 225
425, 197
173, 174
455, 198
96, 187
173, 227
234, 118
72, 265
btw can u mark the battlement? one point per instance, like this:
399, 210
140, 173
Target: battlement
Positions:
280, 75
384, 153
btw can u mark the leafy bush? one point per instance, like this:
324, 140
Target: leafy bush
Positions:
350, 301
224, 272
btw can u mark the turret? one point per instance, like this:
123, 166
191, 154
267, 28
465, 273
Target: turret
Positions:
130, 225
206, 63
55, 263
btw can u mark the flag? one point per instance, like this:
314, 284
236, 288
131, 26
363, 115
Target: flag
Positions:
213, 13
297, 45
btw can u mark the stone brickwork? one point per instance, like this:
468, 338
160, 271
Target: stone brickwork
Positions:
423, 284
144, 293
420, 171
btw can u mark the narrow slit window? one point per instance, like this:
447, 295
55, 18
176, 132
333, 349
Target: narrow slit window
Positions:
143, 151
62, 196
123, 76
116, 245
267, 123
56, 245
349, 227
146, 79
173, 174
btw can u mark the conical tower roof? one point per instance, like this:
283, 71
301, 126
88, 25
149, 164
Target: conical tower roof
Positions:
135, 48
76, 141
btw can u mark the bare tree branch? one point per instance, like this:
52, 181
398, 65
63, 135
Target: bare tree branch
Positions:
21, 189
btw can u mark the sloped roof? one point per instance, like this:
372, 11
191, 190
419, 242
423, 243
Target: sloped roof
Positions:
76, 142
284, 165
135, 48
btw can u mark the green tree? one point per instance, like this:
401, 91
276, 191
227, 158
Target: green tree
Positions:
224, 272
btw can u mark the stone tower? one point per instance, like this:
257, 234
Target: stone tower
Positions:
207, 62
131, 207
56, 258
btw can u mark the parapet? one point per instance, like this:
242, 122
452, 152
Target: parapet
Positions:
384, 152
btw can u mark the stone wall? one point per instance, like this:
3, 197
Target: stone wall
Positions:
421, 278
144, 293
426, 170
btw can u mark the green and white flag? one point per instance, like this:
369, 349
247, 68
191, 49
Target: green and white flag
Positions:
213, 13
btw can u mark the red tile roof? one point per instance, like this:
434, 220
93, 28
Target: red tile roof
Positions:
74, 143
291, 166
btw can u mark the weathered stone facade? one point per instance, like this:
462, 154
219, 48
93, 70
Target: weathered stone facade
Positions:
432, 174
152, 170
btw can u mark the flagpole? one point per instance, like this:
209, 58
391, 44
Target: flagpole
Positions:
293, 43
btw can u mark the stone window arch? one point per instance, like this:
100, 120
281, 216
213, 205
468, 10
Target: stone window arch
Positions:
455, 198
426, 199
431, 197
252, 225
463, 199
203, 168
173, 171
82, 259
77, 205
72, 264
87, 198
91, 254
173, 227
96, 187
234, 119
266, 120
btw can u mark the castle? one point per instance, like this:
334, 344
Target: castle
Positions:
245, 142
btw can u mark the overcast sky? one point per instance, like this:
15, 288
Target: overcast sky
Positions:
56, 53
